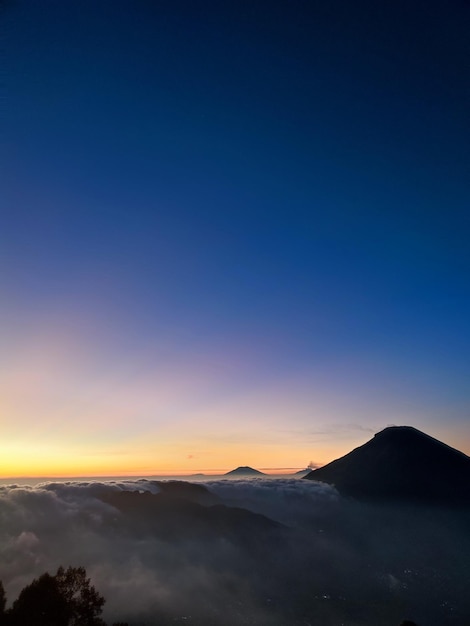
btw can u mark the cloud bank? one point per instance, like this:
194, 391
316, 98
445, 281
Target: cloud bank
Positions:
270, 552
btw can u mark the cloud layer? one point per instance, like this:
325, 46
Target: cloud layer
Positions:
265, 552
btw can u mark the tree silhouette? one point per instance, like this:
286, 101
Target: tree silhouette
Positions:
66, 599
3, 601
40, 604
84, 601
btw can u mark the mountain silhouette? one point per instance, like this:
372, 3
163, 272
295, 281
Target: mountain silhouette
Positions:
244, 471
188, 491
174, 515
401, 463
302, 473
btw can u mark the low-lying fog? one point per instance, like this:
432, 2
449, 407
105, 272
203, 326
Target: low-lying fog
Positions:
268, 552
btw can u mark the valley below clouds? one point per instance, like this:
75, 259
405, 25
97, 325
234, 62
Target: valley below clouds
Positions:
263, 551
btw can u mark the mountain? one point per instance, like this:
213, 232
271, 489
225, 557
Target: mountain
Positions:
188, 491
401, 463
244, 472
302, 473
174, 515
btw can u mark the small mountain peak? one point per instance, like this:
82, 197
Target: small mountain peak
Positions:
244, 470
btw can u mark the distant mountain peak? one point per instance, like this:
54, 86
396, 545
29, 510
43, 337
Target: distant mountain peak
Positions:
401, 463
244, 470
302, 473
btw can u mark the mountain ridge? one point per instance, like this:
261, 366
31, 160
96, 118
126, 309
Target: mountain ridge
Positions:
401, 463
245, 471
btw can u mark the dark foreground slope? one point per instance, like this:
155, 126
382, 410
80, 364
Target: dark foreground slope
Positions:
401, 463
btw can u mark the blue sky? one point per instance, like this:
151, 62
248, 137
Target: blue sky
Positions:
264, 203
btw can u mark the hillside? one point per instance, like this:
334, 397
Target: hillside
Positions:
401, 463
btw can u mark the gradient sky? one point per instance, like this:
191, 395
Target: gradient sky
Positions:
231, 232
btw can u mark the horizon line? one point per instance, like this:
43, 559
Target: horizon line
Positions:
147, 474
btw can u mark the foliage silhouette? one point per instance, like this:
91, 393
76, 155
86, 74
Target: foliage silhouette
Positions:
65, 599
3, 601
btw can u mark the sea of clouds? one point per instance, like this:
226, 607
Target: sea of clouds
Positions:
327, 559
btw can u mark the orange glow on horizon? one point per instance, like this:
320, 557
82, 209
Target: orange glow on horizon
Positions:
53, 460
60, 458
75, 407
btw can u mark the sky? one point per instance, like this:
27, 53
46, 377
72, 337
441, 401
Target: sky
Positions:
232, 233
